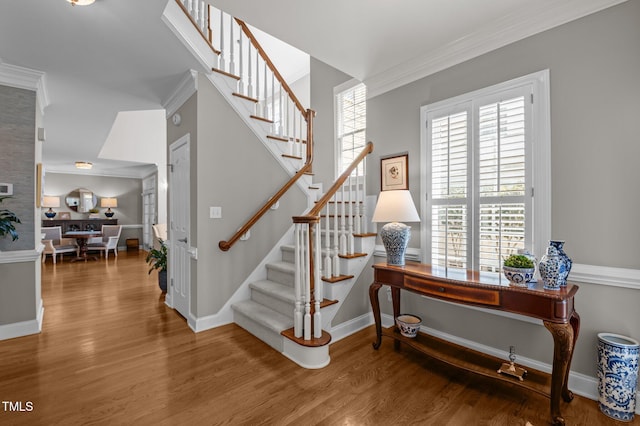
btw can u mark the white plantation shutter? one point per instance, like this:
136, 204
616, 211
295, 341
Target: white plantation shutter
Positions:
351, 114
502, 181
479, 187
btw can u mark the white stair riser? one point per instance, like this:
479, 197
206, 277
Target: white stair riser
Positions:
279, 276
273, 339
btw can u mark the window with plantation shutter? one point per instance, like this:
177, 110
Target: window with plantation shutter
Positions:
479, 151
351, 126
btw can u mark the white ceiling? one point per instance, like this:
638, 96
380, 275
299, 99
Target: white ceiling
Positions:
118, 55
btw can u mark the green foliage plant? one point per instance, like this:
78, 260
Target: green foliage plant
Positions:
7, 220
157, 258
518, 261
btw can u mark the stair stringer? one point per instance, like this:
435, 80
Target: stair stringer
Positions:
184, 30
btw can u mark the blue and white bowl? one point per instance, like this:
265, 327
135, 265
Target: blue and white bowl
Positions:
518, 276
408, 324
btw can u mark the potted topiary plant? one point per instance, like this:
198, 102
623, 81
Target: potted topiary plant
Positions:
518, 269
157, 259
7, 220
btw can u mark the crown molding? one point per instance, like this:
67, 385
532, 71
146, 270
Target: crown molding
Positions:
187, 86
25, 78
510, 28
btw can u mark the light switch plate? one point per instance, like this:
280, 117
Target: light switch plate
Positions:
215, 212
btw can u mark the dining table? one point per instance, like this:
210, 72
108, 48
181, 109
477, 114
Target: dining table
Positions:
82, 238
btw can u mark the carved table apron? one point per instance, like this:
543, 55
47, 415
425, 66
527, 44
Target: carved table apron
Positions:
492, 291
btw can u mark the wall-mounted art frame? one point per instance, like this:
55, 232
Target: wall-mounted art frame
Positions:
394, 172
64, 215
39, 184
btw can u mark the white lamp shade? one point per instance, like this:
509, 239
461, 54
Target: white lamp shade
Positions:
49, 201
109, 202
395, 206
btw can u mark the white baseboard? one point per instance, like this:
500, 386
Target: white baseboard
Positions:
23, 328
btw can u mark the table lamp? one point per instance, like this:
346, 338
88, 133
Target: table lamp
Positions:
108, 202
395, 207
50, 201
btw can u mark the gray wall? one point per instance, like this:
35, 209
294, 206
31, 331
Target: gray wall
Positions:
594, 67
229, 168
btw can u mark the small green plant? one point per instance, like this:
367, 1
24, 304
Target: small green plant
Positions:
157, 258
518, 261
6, 225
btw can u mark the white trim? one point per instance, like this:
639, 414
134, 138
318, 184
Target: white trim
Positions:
187, 86
512, 29
23, 328
19, 256
26, 78
605, 275
347, 328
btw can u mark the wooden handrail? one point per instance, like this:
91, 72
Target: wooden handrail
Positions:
272, 67
315, 211
226, 245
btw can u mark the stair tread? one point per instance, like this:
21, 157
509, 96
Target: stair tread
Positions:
283, 266
264, 315
271, 288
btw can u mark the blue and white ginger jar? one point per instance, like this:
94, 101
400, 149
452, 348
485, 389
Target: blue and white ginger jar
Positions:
564, 258
551, 269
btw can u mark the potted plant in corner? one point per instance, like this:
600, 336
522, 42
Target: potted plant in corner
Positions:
7, 220
157, 259
518, 269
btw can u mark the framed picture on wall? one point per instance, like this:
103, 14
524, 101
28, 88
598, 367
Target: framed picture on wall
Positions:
394, 172
64, 215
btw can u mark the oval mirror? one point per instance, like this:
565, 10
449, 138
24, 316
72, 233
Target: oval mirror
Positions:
81, 200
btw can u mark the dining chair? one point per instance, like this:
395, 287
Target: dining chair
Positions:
54, 243
110, 237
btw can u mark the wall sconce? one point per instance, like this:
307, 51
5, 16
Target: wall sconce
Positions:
109, 202
81, 2
394, 207
49, 201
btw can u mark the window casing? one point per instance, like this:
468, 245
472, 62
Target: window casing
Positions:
483, 154
351, 125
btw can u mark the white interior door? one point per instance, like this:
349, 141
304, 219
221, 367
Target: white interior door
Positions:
149, 216
179, 208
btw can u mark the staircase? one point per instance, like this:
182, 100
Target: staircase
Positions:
298, 294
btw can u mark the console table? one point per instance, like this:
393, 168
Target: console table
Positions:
71, 225
492, 291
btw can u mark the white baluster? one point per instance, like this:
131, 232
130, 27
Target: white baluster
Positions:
250, 72
281, 109
203, 17
265, 112
190, 7
357, 206
307, 286
318, 294
232, 48
222, 56
297, 313
273, 103
350, 242
336, 237
327, 243
240, 62
257, 111
365, 219
296, 144
343, 223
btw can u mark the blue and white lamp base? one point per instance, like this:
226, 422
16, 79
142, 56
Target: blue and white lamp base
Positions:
395, 237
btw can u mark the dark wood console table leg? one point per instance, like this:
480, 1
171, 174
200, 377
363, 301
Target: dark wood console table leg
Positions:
395, 301
564, 336
375, 307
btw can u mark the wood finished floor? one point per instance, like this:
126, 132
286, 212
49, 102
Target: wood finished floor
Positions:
111, 353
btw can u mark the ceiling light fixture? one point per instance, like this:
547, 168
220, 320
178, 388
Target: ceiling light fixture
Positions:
83, 165
81, 2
